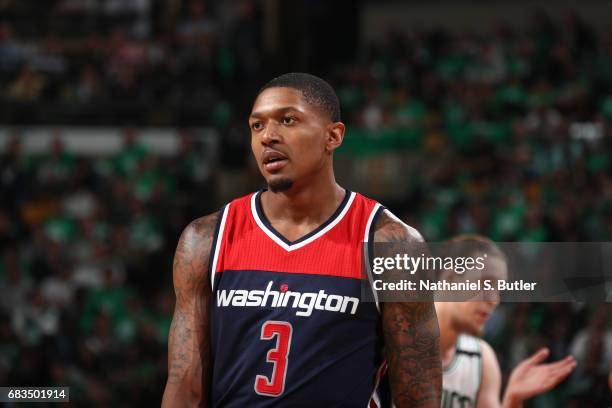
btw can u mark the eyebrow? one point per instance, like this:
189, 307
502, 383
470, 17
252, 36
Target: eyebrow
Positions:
284, 109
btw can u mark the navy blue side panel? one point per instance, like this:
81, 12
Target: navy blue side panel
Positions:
335, 348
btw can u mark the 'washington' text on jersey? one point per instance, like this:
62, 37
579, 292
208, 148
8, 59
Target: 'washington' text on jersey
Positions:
306, 302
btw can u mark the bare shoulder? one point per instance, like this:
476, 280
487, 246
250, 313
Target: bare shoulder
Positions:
490, 380
193, 252
198, 235
487, 351
390, 228
490, 366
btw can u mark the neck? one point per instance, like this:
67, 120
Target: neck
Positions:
448, 335
312, 201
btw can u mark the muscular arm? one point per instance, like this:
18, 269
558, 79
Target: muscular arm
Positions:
188, 340
411, 335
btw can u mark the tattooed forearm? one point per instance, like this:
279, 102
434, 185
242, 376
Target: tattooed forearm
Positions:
411, 335
413, 351
181, 343
188, 340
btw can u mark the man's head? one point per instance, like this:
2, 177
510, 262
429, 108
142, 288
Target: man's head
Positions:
470, 316
295, 127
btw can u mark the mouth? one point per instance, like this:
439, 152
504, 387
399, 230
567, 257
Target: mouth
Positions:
483, 315
273, 160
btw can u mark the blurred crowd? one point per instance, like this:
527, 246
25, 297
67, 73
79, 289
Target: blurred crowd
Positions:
517, 330
105, 61
512, 130
85, 268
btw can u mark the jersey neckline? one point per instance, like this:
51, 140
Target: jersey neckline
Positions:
265, 225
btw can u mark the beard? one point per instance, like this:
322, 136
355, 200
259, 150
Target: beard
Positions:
280, 185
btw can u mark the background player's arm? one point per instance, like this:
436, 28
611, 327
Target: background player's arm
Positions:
490, 386
532, 377
528, 379
188, 341
412, 335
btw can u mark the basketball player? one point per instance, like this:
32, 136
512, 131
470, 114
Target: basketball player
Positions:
471, 376
268, 290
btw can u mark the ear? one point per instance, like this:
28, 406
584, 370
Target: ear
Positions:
335, 136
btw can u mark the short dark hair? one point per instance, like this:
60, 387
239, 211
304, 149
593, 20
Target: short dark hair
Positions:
315, 90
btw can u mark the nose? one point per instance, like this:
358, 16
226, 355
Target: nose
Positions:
270, 134
491, 298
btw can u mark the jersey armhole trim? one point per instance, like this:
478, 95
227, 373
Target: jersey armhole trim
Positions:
480, 363
455, 360
368, 239
216, 244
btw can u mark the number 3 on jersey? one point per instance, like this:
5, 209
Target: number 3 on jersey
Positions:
278, 356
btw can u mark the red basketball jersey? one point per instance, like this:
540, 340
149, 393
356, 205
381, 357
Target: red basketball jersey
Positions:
289, 323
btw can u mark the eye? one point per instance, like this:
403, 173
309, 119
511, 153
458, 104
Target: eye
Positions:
288, 120
256, 126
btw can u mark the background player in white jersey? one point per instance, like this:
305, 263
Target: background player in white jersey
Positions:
471, 375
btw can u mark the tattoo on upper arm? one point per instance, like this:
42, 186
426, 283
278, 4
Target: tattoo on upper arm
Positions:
411, 335
390, 229
188, 340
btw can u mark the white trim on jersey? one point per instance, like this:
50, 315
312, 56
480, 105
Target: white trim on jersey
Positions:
374, 397
366, 235
366, 238
218, 238
292, 247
